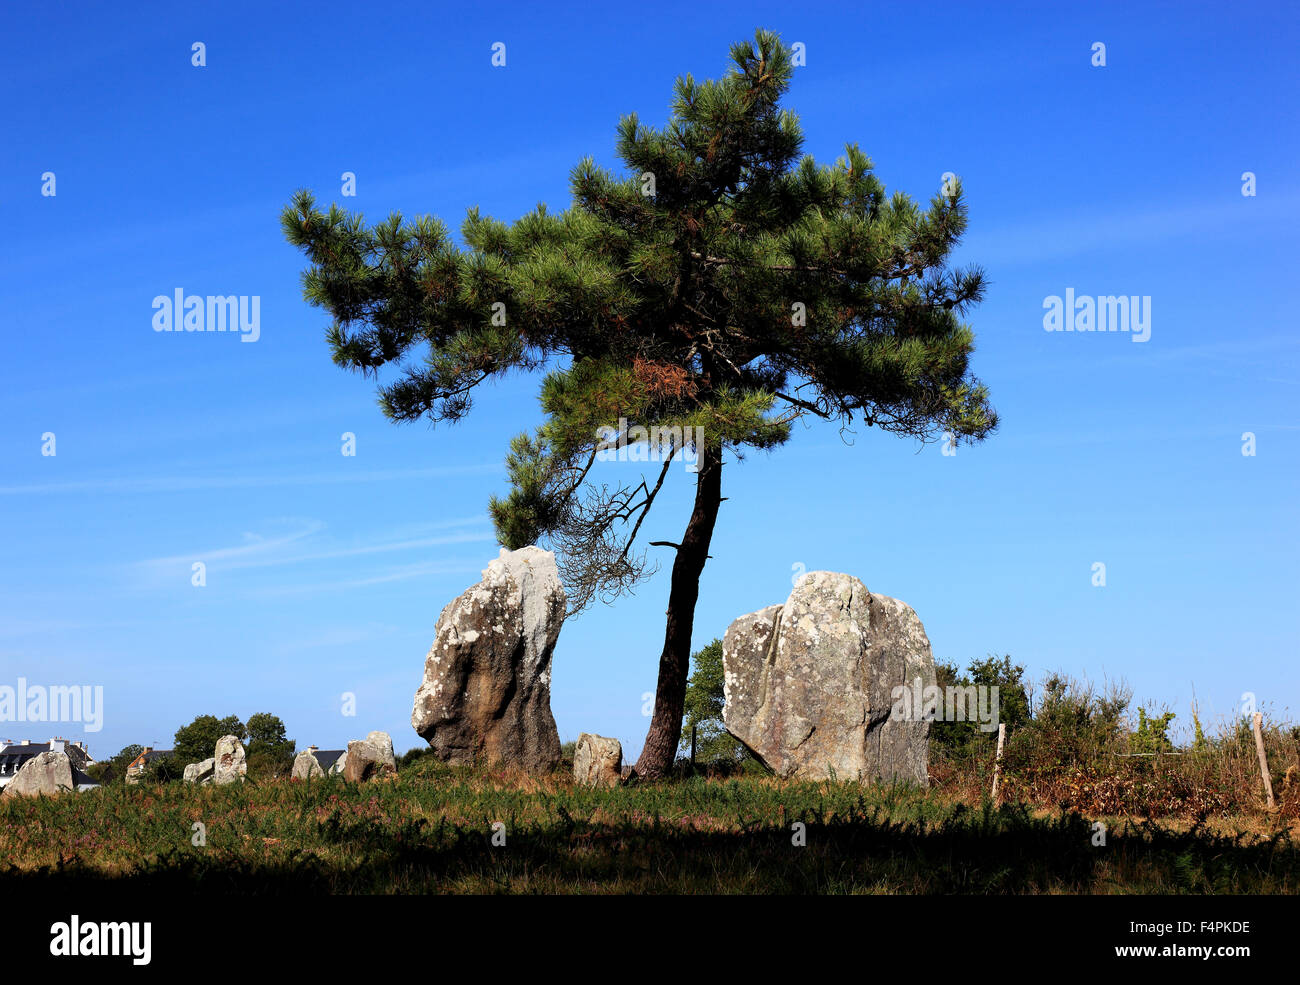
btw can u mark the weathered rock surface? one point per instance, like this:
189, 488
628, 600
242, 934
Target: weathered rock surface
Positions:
809, 685
45, 774
486, 695
370, 758
598, 761
199, 772
229, 764
305, 766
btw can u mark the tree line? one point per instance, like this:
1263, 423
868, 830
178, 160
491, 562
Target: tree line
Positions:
270, 752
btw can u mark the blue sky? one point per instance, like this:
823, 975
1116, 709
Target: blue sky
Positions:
326, 573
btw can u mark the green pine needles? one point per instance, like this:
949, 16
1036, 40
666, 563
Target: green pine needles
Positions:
725, 282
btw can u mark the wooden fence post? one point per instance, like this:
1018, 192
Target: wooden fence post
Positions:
997, 763
1263, 760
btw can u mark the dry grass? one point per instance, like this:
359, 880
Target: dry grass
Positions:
429, 831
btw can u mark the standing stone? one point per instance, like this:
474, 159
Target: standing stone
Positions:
810, 686
370, 758
486, 695
199, 772
230, 765
305, 766
45, 774
597, 761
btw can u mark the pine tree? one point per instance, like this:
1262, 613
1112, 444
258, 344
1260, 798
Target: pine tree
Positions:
724, 282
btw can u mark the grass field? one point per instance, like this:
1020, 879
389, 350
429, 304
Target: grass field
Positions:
429, 830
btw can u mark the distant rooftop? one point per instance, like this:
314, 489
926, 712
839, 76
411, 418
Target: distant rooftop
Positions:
327, 757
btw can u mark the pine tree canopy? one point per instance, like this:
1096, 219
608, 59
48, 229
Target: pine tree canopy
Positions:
724, 281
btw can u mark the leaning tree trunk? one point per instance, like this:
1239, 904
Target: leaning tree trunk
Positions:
665, 733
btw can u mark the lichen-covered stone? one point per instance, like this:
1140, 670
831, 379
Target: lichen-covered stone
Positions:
810, 685
486, 694
199, 772
230, 764
305, 766
597, 761
44, 775
370, 758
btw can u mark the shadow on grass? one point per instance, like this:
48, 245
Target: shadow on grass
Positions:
1005, 851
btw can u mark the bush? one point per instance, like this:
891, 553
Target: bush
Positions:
1078, 749
413, 756
716, 749
113, 770
1073, 726
268, 763
197, 741
960, 740
163, 769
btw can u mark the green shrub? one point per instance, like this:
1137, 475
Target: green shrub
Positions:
413, 756
715, 747
962, 740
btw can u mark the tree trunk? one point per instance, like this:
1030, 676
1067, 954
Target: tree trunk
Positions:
665, 733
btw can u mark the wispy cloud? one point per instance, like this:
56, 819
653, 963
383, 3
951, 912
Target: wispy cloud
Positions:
1239, 358
336, 637
12, 627
252, 546
1107, 227
306, 546
471, 537
168, 484
258, 551
404, 573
